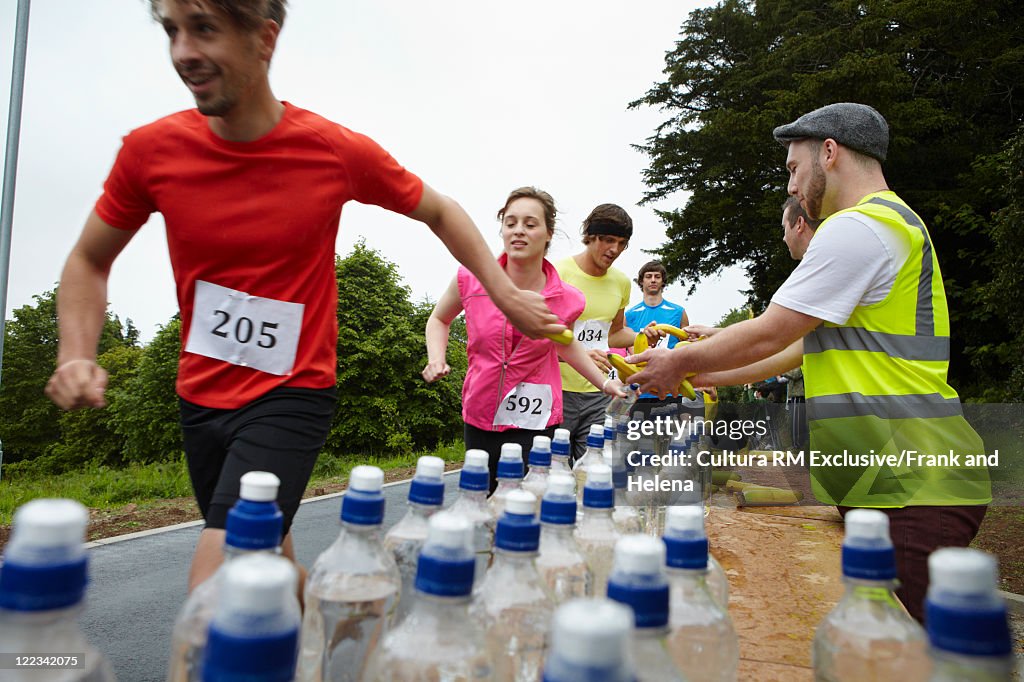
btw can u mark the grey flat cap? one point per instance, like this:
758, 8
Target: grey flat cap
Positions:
856, 126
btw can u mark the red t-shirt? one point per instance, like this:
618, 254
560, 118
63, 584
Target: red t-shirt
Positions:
259, 218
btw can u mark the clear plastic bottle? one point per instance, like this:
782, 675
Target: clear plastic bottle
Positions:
869, 635
595, 532
679, 523
254, 635
471, 504
352, 589
967, 620
536, 479
42, 586
561, 446
405, 539
560, 562
594, 454
512, 603
638, 580
590, 642
702, 640
620, 407
254, 525
625, 516
510, 477
608, 449
438, 640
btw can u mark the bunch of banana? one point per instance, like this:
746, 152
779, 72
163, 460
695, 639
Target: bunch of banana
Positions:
640, 344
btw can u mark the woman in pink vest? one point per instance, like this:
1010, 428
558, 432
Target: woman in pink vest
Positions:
513, 389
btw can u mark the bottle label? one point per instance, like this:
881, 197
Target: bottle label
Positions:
882, 594
527, 406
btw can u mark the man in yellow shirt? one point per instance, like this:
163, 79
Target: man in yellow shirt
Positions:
606, 232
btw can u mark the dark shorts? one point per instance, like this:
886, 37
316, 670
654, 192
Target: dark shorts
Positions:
491, 442
280, 432
579, 411
917, 532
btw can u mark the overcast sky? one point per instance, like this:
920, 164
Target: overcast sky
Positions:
477, 98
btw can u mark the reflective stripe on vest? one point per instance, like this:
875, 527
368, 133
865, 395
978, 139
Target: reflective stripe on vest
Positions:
877, 385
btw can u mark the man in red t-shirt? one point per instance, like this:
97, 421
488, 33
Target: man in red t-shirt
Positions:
251, 189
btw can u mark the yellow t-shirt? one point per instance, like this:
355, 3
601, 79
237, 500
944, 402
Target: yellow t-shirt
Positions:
606, 296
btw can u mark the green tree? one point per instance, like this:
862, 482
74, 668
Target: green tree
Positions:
384, 406
145, 406
947, 75
29, 422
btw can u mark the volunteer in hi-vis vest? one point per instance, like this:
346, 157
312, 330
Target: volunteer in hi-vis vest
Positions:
606, 232
865, 311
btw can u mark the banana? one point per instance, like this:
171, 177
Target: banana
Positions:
672, 331
564, 337
624, 369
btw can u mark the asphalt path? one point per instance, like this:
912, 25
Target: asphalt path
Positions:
137, 585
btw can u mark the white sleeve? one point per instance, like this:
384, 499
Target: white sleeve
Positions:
846, 265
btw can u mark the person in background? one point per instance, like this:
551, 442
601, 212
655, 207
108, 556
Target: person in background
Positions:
512, 391
865, 313
606, 232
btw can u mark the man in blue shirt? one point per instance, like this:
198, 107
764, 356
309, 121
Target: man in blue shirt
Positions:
654, 309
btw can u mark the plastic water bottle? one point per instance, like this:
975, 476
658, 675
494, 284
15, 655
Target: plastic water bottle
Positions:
608, 449
679, 524
42, 586
869, 635
352, 590
510, 476
471, 504
405, 539
512, 603
620, 407
595, 533
594, 454
254, 635
254, 525
590, 642
536, 479
967, 622
561, 446
560, 562
638, 580
702, 640
625, 516
438, 640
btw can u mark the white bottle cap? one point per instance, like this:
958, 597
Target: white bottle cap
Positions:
259, 486
366, 479
963, 571
867, 527
639, 554
511, 452
592, 632
685, 519
599, 473
450, 531
597, 430
477, 459
257, 584
521, 502
562, 435
609, 423
48, 522
542, 443
429, 466
560, 483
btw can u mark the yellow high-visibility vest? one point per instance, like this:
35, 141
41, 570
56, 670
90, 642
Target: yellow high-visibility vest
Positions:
882, 416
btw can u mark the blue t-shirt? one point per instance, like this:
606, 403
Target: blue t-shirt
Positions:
641, 315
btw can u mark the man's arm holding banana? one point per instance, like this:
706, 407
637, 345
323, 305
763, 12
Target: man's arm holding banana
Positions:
736, 346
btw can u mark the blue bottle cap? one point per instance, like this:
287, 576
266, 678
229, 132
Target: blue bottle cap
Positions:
254, 525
